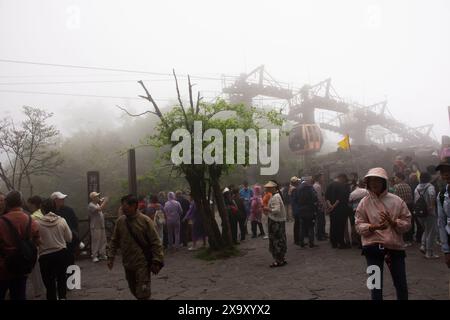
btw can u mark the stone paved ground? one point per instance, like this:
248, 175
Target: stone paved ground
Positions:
319, 273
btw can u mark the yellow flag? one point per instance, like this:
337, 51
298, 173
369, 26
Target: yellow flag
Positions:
345, 144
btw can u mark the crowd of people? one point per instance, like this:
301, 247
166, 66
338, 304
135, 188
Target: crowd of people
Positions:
381, 214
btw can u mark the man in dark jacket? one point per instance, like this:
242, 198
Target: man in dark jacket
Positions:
69, 215
307, 210
337, 196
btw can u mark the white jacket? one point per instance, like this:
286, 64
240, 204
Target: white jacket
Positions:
54, 232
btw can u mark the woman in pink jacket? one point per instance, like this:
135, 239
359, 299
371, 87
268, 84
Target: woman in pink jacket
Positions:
381, 220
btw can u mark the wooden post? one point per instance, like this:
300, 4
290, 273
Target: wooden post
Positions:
132, 182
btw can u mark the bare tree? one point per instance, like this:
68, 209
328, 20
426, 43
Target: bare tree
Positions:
28, 150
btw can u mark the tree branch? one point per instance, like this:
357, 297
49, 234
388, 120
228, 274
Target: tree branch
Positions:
197, 108
191, 100
136, 115
181, 102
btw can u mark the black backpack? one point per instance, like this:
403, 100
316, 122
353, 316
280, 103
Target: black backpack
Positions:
421, 206
22, 260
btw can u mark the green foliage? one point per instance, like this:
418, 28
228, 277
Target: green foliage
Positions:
219, 115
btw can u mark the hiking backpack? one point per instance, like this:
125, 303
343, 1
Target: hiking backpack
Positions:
24, 257
421, 206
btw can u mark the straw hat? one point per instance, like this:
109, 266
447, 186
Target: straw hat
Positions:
270, 184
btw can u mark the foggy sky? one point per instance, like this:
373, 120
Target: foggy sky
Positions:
397, 50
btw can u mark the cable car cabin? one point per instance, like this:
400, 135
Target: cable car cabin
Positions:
305, 139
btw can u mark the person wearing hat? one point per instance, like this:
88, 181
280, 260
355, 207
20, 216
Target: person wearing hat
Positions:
97, 226
381, 219
277, 225
67, 213
443, 205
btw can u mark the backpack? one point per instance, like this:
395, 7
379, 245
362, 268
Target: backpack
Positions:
22, 260
420, 206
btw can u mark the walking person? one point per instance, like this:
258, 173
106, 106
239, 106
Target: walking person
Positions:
425, 211
34, 205
307, 208
404, 191
443, 205
17, 229
69, 215
173, 212
318, 185
256, 212
140, 245
97, 226
337, 196
53, 258
381, 219
277, 225
198, 230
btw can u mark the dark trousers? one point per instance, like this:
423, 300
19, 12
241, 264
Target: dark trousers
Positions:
337, 226
320, 225
419, 230
255, 225
297, 226
53, 271
307, 229
17, 288
395, 260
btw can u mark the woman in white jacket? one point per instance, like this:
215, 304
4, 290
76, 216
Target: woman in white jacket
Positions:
53, 258
277, 225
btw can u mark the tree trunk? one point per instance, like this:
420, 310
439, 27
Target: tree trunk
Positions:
218, 196
198, 192
226, 229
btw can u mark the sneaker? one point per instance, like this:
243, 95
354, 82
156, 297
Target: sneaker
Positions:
103, 258
192, 248
266, 237
432, 256
422, 249
407, 244
95, 259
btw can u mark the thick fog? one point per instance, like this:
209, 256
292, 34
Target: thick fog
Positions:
373, 50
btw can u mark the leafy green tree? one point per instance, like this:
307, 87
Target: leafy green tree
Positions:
205, 179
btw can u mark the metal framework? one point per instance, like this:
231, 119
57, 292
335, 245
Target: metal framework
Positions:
371, 124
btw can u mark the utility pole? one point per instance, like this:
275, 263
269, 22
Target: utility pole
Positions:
132, 182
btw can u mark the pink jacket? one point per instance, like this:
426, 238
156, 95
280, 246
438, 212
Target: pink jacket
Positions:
368, 212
